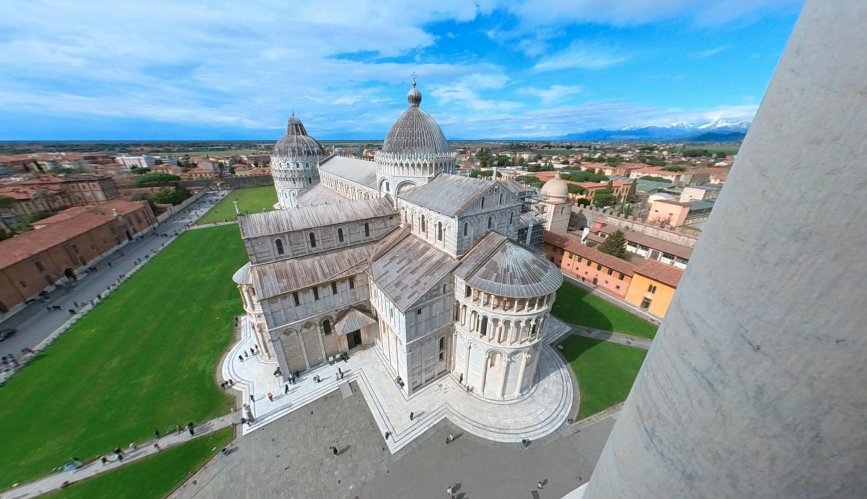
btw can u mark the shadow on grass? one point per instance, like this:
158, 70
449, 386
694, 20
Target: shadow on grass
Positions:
571, 306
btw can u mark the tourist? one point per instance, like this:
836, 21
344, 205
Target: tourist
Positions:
190, 429
333, 450
411, 415
157, 433
450, 438
252, 399
241, 358
285, 388
271, 396
540, 485
157, 446
387, 434
104, 460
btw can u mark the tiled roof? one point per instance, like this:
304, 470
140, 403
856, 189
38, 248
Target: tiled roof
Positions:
104, 209
573, 245
283, 276
353, 321
448, 194
280, 221
36, 241
319, 194
358, 171
408, 270
666, 274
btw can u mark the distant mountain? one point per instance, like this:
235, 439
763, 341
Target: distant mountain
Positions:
713, 131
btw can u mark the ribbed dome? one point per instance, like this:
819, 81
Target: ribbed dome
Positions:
556, 188
516, 272
415, 132
296, 142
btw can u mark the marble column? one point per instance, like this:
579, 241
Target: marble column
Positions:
755, 383
524, 357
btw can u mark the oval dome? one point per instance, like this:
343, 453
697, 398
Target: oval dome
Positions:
415, 132
296, 142
556, 188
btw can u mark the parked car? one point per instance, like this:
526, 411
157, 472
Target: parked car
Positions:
7, 333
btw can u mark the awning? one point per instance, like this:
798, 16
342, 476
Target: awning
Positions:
353, 321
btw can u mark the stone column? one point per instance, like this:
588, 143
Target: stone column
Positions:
484, 374
506, 361
755, 383
303, 348
321, 344
524, 357
467, 362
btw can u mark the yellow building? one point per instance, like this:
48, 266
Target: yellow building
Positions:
653, 286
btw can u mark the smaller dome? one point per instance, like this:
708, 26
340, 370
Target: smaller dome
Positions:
296, 142
413, 96
556, 189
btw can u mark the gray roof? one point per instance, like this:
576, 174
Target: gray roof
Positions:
281, 221
283, 276
354, 170
511, 270
319, 194
409, 269
242, 275
448, 194
353, 321
296, 142
415, 132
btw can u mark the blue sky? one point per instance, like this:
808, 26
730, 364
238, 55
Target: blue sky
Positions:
487, 69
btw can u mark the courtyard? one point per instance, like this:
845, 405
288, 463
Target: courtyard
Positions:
250, 200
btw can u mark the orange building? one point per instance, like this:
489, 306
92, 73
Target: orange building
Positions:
649, 285
63, 243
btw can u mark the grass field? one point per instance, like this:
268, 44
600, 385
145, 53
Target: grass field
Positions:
577, 306
250, 200
605, 371
154, 477
143, 359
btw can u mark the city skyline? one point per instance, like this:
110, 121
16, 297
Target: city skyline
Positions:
487, 70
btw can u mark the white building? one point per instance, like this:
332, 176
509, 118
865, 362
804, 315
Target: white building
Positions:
400, 255
130, 162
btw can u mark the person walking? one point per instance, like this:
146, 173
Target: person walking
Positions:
271, 396
333, 449
450, 438
157, 446
286, 389
411, 415
540, 485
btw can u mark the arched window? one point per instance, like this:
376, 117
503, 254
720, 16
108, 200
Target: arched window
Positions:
483, 329
483, 202
279, 244
423, 225
312, 240
366, 229
490, 222
501, 198
466, 225
439, 231
387, 186
511, 216
340, 235
326, 326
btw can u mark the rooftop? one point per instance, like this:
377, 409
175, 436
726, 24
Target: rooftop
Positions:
448, 194
281, 221
573, 245
284, 276
360, 171
666, 274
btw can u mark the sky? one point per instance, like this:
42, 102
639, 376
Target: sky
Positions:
489, 69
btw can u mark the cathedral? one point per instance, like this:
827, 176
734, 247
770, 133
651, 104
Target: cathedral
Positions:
438, 272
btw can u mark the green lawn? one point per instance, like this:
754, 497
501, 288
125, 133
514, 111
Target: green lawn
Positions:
145, 358
605, 371
577, 306
250, 200
154, 477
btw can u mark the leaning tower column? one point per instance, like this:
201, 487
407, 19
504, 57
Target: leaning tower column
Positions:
756, 385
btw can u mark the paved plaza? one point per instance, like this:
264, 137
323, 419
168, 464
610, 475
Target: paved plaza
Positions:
290, 458
542, 411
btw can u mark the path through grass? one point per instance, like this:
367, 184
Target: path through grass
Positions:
144, 358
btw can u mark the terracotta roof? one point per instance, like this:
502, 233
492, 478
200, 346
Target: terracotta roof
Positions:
666, 274
651, 242
104, 209
573, 245
36, 241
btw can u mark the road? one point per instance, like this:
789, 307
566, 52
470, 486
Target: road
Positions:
36, 322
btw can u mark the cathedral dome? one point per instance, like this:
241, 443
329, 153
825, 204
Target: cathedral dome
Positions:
556, 189
296, 142
415, 132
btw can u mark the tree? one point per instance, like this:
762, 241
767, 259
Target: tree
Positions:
6, 202
604, 197
614, 244
151, 179
168, 195
674, 168
575, 189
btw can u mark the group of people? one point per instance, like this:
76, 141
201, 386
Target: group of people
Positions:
248, 353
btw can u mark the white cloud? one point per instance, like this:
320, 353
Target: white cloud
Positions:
581, 55
553, 94
704, 54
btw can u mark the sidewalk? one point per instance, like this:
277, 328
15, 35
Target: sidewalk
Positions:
536, 415
56, 480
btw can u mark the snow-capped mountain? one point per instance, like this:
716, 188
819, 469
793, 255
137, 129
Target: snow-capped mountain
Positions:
720, 130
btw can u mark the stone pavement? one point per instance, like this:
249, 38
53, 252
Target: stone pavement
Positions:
290, 458
55, 481
539, 413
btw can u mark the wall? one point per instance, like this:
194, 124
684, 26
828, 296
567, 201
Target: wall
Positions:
586, 217
660, 299
577, 267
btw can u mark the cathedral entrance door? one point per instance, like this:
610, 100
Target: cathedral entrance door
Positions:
354, 339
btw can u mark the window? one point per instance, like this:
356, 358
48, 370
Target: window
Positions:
387, 187
279, 244
589, 263
315, 293
340, 235
645, 303
651, 289
579, 260
483, 202
465, 228
39, 265
444, 289
610, 271
312, 240
511, 216
334, 288
468, 292
483, 329
351, 283
326, 327
442, 347
418, 312
295, 298
490, 222
366, 229
423, 225
439, 231
621, 276
501, 199
598, 266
